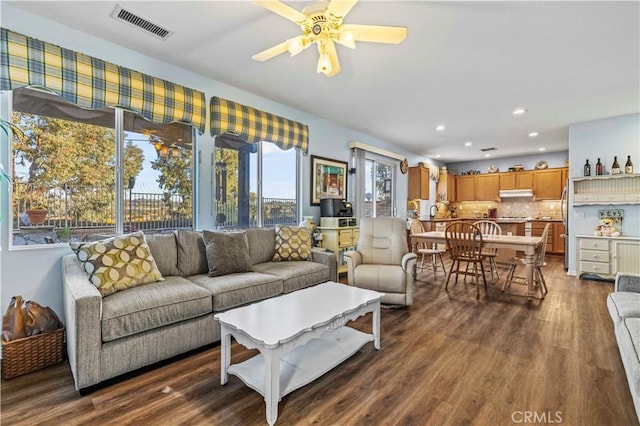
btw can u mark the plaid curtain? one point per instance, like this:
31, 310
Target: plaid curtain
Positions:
254, 125
93, 83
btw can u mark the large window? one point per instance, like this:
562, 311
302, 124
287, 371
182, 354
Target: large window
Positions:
65, 171
379, 195
256, 184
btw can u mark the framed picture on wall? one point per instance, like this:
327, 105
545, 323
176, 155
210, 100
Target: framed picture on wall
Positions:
328, 179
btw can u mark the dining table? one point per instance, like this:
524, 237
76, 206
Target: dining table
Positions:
527, 245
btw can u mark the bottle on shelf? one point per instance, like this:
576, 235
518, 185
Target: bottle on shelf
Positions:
598, 168
615, 168
587, 168
628, 167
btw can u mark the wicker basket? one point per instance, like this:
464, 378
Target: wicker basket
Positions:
22, 356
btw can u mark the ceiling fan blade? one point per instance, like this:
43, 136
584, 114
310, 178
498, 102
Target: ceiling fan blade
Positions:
282, 9
333, 56
271, 52
376, 33
340, 8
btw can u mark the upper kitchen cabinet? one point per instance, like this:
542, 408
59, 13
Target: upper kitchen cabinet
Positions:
487, 187
466, 188
610, 189
516, 180
418, 183
548, 184
446, 190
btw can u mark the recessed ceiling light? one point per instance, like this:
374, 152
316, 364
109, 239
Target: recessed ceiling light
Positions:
440, 127
487, 155
519, 111
468, 143
542, 149
533, 134
437, 155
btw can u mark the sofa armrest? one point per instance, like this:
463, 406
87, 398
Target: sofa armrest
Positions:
326, 258
408, 260
626, 281
82, 312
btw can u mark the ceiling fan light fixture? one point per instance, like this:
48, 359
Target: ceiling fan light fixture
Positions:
347, 39
295, 46
324, 64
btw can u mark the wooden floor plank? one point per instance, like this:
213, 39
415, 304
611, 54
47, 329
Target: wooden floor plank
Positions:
450, 359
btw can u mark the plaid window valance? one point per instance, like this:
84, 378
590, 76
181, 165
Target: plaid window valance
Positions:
93, 83
254, 125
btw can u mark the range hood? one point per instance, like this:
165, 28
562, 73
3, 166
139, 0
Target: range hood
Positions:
516, 193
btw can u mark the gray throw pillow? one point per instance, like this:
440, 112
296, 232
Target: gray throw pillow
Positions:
227, 252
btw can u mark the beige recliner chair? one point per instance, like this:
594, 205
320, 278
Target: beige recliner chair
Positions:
382, 260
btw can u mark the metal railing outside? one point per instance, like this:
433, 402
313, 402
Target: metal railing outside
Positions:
73, 210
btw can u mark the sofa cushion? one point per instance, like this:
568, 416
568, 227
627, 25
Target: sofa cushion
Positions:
164, 249
292, 243
628, 337
261, 244
295, 275
192, 254
234, 290
623, 304
151, 306
117, 263
227, 252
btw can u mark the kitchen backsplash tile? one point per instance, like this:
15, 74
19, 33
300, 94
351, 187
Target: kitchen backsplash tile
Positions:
535, 209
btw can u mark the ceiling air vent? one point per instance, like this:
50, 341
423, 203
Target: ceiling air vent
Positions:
488, 149
147, 26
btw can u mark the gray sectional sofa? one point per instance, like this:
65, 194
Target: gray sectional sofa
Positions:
624, 307
112, 335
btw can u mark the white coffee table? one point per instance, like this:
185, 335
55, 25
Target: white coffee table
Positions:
300, 336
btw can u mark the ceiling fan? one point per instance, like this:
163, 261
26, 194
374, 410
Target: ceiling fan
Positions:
321, 23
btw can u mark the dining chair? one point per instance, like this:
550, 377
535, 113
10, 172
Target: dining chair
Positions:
489, 227
423, 250
538, 264
464, 242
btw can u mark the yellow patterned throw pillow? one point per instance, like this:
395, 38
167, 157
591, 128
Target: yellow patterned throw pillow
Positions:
292, 243
118, 263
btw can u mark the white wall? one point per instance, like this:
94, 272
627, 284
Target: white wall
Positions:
35, 273
602, 138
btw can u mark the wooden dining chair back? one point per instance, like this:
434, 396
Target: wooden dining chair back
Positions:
538, 263
464, 243
423, 249
489, 227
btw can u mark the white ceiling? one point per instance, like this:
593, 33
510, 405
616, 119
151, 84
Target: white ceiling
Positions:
466, 65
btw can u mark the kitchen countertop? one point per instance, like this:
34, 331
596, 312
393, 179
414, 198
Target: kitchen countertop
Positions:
497, 220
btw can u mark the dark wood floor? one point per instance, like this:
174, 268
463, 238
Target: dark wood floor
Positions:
448, 360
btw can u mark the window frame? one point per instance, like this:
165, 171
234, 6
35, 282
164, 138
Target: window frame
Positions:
299, 155
7, 158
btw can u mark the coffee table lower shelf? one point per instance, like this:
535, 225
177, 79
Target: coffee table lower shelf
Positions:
305, 363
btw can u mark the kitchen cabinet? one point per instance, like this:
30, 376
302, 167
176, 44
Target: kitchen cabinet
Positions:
339, 240
446, 190
516, 180
604, 256
418, 183
604, 190
487, 187
548, 184
466, 188
558, 238
555, 239
536, 230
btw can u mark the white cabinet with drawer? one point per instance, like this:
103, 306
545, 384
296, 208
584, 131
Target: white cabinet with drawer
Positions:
605, 256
